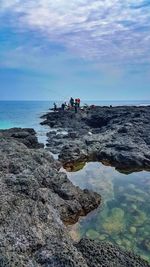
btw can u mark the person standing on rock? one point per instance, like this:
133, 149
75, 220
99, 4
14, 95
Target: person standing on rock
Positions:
76, 106
55, 106
63, 106
78, 100
71, 102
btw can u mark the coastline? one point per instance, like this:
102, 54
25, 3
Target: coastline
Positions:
33, 187
118, 136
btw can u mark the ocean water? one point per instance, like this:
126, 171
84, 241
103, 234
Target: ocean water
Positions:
118, 102
24, 114
27, 113
124, 215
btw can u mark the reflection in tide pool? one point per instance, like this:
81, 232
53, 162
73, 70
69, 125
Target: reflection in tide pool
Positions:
124, 216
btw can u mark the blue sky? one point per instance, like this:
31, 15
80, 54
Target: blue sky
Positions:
97, 49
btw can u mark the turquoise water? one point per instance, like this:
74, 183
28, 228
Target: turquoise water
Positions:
27, 113
124, 216
24, 114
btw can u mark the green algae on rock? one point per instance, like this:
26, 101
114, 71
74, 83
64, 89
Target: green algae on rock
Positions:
132, 230
114, 222
139, 218
92, 234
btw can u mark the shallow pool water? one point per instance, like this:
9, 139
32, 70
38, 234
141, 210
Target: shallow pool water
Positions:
124, 216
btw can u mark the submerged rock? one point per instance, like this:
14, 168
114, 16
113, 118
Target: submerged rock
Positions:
114, 223
139, 218
132, 230
92, 234
146, 244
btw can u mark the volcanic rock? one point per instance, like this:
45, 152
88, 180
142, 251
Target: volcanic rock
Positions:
118, 135
36, 201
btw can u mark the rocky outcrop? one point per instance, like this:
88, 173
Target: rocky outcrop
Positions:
36, 201
107, 255
116, 135
35, 198
26, 136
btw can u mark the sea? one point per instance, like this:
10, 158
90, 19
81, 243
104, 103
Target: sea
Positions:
25, 114
28, 113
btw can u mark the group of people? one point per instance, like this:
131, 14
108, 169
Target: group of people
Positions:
73, 104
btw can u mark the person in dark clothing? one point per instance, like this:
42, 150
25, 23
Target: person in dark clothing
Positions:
71, 102
63, 106
55, 107
76, 106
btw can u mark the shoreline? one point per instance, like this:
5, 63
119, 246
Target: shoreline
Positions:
118, 136
33, 188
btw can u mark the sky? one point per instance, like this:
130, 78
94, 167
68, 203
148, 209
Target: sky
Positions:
92, 49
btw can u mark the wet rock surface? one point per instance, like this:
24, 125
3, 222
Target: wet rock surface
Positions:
36, 201
116, 135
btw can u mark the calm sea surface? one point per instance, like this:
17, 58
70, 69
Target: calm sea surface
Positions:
124, 217
24, 114
27, 113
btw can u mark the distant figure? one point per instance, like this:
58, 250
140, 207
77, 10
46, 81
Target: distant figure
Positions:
55, 106
78, 101
63, 106
71, 102
76, 106
92, 106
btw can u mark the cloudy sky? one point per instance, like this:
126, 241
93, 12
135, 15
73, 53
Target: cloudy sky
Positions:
94, 49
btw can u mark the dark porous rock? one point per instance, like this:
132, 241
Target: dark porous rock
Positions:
35, 200
26, 136
116, 135
73, 152
107, 255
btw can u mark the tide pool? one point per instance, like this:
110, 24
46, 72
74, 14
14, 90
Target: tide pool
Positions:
123, 217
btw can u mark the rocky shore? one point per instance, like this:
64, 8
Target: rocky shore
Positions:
37, 202
119, 136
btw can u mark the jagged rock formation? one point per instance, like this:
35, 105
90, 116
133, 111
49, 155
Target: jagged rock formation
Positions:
34, 199
35, 202
26, 136
116, 135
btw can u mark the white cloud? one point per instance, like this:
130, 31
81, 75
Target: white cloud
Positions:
102, 29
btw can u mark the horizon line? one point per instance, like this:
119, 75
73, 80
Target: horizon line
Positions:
44, 100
